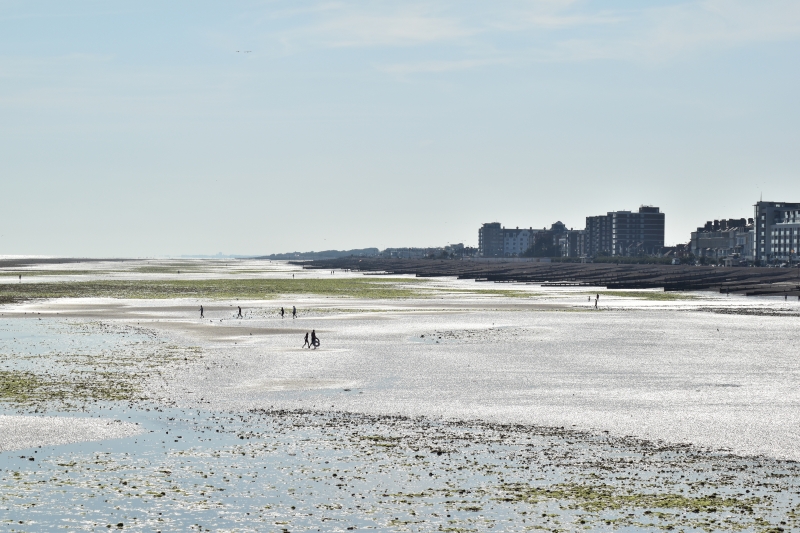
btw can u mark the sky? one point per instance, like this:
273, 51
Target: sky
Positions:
145, 128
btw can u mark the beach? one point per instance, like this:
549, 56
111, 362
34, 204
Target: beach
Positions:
438, 403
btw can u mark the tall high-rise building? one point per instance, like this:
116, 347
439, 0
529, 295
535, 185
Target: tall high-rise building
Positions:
490, 240
625, 233
776, 231
598, 236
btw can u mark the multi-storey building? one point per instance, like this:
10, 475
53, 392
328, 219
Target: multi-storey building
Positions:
625, 233
490, 240
723, 238
517, 241
637, 233
573, 243
598, 236
497, 241
776, 231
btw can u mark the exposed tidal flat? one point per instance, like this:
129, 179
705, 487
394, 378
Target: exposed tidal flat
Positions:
431, 405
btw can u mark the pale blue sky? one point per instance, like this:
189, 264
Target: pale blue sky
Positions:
136, 129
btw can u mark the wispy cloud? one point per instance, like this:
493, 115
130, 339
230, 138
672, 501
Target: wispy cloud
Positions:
356, 25
541, 30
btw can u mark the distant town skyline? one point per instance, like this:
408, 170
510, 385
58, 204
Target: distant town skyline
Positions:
148, 129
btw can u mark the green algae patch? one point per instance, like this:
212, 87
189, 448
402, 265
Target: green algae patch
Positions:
28, 389
594, 498
18, 386
508, 293
27, 273
173, 268
210, 289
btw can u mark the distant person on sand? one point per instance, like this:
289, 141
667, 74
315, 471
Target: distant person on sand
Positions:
240, 312
306, 343
314, 339
282, 312
595, 302
201, 312
294, 312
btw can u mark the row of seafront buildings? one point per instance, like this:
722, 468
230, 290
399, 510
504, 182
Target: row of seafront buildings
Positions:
772, 235
617, 233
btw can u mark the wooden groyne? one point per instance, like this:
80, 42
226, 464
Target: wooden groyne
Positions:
749, 281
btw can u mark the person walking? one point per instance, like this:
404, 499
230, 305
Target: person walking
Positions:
294, 312
282, 312
314, 339
595, 302
240, 312
306, 343
201, 312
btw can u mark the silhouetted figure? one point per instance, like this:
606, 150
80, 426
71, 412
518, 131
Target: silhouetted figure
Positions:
201, 312
282, 312
314, 339
306, 343
240, 312
595, 302
294, 312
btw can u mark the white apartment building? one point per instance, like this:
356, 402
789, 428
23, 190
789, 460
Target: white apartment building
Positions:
517, 241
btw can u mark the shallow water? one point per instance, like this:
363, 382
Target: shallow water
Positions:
333, 472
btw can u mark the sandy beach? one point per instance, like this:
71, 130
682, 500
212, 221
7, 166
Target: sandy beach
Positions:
674, 382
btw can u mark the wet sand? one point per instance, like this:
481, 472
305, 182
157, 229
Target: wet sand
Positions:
707, 380
21, 432
677, 375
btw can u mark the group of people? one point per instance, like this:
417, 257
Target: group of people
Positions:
282, 312
294, 312
238, 315
312, 342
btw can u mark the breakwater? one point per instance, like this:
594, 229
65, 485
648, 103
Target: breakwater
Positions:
750, 281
